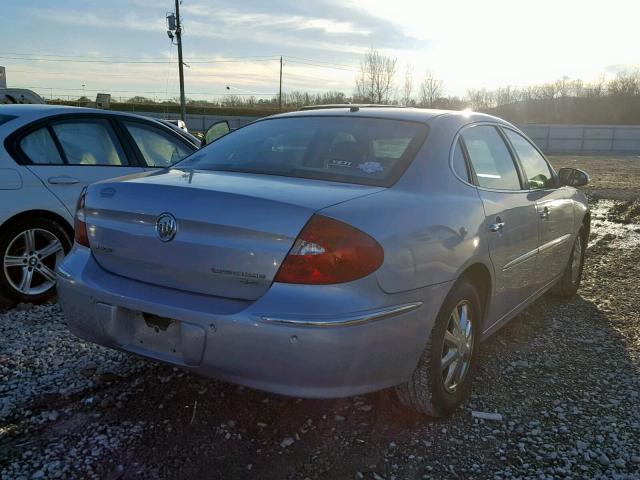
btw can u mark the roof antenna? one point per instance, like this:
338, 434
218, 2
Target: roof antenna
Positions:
354, 109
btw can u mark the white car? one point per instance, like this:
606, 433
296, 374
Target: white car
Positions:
48, 154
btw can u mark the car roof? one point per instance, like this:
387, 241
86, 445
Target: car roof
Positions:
45, 110
411, 114
27, 113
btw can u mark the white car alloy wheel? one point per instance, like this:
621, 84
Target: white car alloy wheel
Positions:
30, 259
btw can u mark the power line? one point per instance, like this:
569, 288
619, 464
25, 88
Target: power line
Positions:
77, 61
121, 56
114, 60
144, 91
164, 60
132, 62
321, 66
83, 73
318, 61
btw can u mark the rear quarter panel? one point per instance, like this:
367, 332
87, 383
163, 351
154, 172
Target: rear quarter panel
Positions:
429, 223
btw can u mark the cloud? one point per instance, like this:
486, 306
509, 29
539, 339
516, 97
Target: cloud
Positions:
128, 21
467, 44
620, 68
223, 18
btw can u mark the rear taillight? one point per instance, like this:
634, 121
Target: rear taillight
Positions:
328, 251
79, 224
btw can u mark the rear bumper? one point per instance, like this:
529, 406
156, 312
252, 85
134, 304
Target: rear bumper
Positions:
307, 341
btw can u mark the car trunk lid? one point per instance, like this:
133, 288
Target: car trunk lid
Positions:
233, 229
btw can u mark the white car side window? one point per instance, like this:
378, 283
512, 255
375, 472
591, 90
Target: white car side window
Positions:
40, 148
157, 148
89, 142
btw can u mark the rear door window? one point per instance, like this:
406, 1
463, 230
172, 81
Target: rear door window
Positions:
369, 151
490, 158
89, 142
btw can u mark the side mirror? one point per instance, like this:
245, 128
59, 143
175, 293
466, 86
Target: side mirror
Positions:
215, 131
572, 177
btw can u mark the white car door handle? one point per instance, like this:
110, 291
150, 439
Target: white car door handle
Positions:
63, 180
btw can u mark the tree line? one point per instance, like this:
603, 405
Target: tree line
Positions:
378, 80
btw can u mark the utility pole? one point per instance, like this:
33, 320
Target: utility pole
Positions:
280, 94
183, 108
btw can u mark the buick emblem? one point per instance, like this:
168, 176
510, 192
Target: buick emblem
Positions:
166, 227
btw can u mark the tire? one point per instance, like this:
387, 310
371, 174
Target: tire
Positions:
32, 248
426, 391
569, 283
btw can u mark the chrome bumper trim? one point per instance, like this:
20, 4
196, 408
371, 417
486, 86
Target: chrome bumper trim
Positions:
346, 320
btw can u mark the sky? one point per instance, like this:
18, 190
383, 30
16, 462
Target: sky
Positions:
121, 47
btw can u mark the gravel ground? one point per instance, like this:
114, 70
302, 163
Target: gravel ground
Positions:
562, 382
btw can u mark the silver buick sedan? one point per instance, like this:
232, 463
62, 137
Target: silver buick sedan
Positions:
329, 252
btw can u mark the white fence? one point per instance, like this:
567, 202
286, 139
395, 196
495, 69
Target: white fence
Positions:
200, 123
551, 138
556, 138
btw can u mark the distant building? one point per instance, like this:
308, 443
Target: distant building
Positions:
103, 100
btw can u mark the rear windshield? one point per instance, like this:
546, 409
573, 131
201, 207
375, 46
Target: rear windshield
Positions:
367, 151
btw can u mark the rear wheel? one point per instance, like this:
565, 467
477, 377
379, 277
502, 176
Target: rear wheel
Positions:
569, 283
442, 379
30, 251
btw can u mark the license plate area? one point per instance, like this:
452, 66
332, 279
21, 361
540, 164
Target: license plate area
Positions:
156, 322
162, 338
158, 334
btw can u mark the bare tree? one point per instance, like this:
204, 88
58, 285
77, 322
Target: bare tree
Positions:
506, 95
626, 84
481, 99
563, 86
375, 82
407, 89
532, 92
549, 91
597, 88
430, 90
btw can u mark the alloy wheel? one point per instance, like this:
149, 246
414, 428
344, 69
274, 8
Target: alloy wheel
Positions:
457, 347
30, 260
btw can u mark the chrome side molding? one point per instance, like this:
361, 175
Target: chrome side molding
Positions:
346, 320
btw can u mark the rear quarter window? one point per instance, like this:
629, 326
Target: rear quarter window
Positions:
40, 148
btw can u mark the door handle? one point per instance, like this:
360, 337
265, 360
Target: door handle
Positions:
544, 214
498, 226
63, 180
